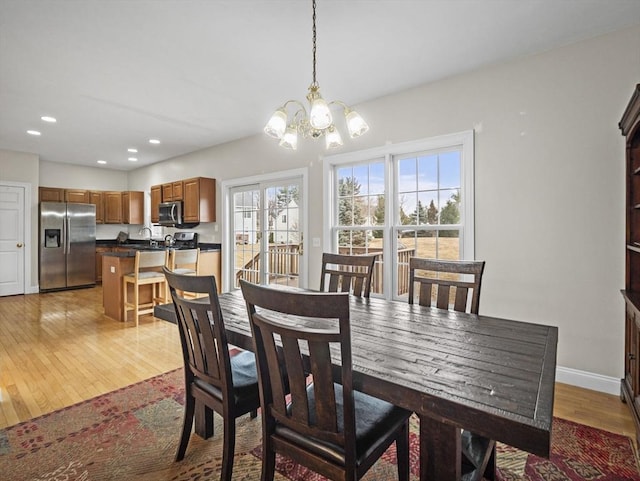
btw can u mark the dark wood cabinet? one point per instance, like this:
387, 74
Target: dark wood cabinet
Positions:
630, 384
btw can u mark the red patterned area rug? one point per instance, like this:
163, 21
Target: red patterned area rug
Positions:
132, 434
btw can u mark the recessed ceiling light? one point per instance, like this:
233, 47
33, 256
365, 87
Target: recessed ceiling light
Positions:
133, 159
102, 161
46, 118
33, 132
132, 150
154, 141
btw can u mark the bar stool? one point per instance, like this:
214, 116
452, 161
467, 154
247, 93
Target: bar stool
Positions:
145, 272
184, 261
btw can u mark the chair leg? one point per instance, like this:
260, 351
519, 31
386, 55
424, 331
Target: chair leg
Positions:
402, 453
136, 300
228, 448
268, 462
253, 414
189, 410
124, 300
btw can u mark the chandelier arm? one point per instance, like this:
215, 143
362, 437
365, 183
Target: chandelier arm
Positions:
298, 103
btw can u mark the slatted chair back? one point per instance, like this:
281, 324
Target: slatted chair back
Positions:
202, 332
446, 284
316, 425
347, 273
221, 383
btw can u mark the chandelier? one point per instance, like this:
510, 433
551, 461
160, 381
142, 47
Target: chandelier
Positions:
318, 121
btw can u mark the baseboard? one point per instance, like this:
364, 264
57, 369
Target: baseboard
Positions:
588, 380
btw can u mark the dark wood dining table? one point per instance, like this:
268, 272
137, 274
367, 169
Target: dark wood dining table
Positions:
494, 377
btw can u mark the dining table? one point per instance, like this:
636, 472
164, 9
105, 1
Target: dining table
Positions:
491, 376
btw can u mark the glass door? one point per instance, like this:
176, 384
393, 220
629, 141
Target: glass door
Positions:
267, 232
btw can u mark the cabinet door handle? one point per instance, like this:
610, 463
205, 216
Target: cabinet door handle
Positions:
19, 244
631, 356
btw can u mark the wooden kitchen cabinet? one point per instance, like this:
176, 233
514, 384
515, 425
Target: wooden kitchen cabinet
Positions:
199, 202
172, 191
112, 207
99, 253
156, 198
133, 207
50, 194
76, 196
630, 383
96, 198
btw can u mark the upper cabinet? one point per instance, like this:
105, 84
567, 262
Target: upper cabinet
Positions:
133, 207
113, 207
199, 200
51, 194
198, 196
172, 191
96, 198
156, 198
76, 196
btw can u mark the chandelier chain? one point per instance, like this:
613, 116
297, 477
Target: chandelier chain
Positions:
315, 83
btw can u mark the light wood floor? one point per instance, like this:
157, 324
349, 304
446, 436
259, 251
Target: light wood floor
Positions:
58, 349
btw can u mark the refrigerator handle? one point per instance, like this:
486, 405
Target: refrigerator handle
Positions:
67, 232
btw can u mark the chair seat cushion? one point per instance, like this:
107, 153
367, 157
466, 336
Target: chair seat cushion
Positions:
375, 421
244, 376
146, 274
184, 271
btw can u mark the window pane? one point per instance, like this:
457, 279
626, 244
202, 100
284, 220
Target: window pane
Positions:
450, 170
376, 178
427, 178
450, 211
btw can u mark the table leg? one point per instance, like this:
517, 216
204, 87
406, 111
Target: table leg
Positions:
440, 457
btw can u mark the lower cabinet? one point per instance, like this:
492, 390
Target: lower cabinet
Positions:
630, 385
99, 253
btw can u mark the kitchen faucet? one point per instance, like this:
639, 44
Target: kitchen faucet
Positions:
141, 232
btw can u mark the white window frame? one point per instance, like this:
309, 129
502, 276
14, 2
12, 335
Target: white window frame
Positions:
228, 236
463, 140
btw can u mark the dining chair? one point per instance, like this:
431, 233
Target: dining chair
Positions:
446, 284
326, 426
455, 285
219, 382
146, 271
347, 273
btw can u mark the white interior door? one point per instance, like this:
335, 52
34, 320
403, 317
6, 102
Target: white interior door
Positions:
12, 244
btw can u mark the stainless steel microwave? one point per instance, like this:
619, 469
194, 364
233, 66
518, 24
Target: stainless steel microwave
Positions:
170, 213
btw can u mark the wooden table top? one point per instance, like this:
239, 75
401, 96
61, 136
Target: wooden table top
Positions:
492, 376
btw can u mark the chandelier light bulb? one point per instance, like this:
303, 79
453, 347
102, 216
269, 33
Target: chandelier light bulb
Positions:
277, 124
355, 123
290, 138
319, 115
332, 138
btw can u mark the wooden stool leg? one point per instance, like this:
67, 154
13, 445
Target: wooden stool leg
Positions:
124, 300
136, 300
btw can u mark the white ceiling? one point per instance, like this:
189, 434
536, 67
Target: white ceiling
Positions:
195, 73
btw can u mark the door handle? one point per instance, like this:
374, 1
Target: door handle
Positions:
19, 244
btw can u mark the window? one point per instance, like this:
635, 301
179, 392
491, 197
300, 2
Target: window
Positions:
399, 201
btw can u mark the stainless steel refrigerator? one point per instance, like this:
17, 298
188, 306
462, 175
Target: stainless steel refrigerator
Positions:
67, 245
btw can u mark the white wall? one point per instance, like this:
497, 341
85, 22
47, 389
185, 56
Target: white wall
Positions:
549, 183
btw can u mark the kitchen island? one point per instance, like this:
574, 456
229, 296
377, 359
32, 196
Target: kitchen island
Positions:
119, 262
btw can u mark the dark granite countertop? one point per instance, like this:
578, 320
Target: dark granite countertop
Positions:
140, 244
